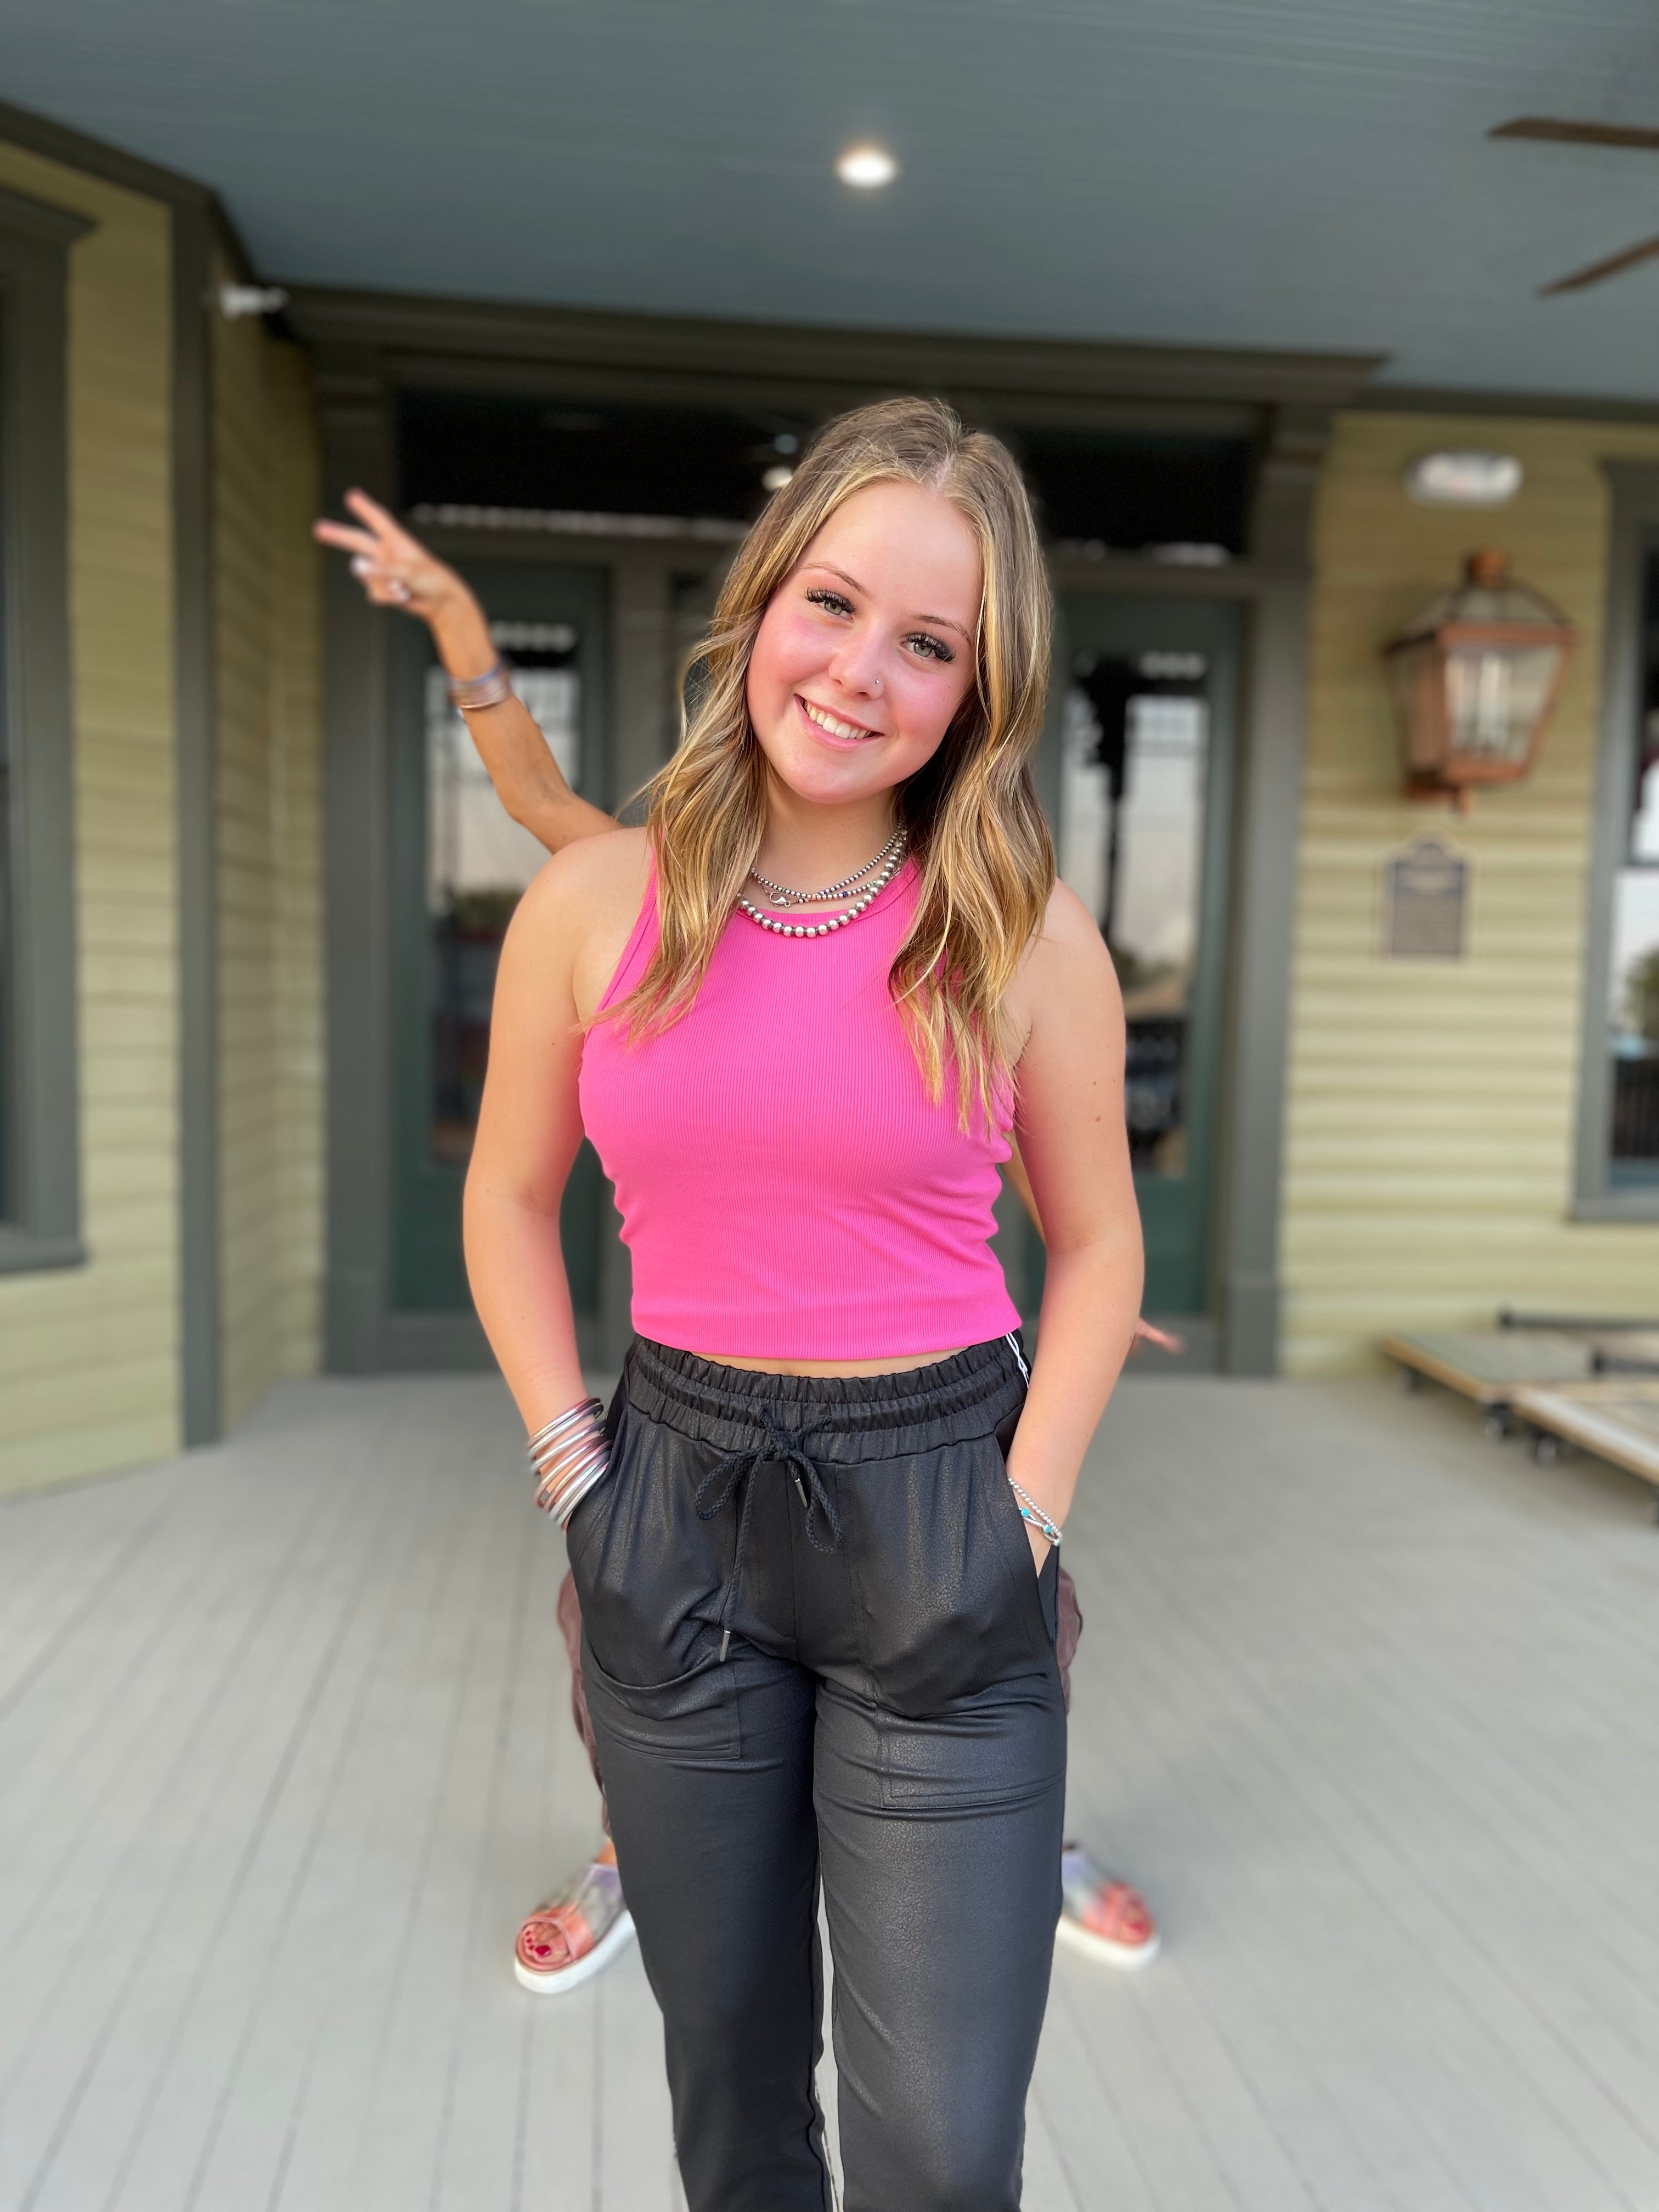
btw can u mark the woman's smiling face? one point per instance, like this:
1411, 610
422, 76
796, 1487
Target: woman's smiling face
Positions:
866, 653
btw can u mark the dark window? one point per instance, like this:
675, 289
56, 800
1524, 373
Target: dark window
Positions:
40, 1194
1093, 491
460, 449
8, 1071
1126, 494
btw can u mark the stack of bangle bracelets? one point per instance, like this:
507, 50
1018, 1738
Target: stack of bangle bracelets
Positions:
570, 1456
492, 689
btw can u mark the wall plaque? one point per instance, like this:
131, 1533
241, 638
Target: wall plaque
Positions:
1425, 898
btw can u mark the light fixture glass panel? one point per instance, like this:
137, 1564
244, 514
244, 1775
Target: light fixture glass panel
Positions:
1494, 697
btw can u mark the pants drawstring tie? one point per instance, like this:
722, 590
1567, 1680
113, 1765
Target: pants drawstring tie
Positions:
735, 1472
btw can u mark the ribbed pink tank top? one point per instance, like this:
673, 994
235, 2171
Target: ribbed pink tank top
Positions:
786, 1189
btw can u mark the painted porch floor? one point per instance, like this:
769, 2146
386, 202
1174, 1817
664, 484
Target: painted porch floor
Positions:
1368, 1705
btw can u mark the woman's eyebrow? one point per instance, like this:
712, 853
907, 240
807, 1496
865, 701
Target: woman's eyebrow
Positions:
944, 622
939, 622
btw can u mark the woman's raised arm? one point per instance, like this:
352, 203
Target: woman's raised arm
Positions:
396, 570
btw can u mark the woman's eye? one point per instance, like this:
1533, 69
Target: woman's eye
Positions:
931, 648
833, 603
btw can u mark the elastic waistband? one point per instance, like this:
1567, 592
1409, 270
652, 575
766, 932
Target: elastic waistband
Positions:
843, 1418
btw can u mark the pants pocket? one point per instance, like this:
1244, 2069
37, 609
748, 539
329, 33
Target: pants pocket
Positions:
1040, 1583
694, 1716
650, 1576
948, 1605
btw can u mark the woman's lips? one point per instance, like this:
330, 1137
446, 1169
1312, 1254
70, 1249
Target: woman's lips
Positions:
834, 729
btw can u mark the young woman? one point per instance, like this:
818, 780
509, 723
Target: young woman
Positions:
813, 1542
584, 1925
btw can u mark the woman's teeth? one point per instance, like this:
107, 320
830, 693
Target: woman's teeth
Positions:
832, 723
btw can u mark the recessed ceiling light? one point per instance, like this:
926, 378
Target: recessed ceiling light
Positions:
866, 168
776, 476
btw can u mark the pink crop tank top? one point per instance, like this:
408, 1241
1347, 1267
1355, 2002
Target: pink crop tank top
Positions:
787, 1191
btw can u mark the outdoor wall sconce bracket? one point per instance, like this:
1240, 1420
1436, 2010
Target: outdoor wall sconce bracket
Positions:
1474, 676
236, 302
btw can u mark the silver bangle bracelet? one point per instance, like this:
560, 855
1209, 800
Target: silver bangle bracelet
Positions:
553, 1480
570, 1455
586, 1409
557, 1492
569, 1431
565, 1504
551, 1473
490, 689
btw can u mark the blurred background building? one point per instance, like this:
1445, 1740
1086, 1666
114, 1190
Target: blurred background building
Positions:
1282, 330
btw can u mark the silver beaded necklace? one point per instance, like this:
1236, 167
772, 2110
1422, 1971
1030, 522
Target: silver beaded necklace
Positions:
785, 896
894, 854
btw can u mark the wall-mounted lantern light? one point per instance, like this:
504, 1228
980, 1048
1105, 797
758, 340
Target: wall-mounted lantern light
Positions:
1474, 676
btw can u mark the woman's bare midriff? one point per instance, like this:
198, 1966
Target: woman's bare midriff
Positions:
901, 1365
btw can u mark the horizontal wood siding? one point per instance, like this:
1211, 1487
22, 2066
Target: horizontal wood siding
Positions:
296, 725
1432, 1105
248, 1024
89, 1355
266, 605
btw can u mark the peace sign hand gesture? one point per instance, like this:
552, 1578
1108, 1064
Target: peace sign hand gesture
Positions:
395, 569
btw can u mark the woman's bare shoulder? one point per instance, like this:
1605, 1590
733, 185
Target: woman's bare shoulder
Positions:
1070, 932
581, 910
591, 880
1066, 965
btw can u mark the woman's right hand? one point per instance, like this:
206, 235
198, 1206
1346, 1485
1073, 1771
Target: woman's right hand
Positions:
395, 569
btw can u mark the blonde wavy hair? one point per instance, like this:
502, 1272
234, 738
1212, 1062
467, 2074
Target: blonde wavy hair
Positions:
977, 835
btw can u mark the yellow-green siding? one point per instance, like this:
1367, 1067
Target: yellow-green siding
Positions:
1432, 1105
296, 723
89, 1355
267, 608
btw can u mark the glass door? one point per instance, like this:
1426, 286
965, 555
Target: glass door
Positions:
459, 865
1144, 776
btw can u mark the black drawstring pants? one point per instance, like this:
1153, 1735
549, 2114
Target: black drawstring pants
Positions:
816, 1652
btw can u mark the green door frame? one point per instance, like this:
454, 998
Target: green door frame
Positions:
1177, 1213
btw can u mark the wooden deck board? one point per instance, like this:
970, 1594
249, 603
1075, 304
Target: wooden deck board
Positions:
1489, 1366
1616, 1418
285, 1752
1422, 2035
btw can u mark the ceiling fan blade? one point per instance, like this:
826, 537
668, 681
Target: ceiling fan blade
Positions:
1559, 133
1599, 271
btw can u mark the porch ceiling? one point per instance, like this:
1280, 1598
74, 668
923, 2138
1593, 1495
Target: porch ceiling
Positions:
1285, 173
